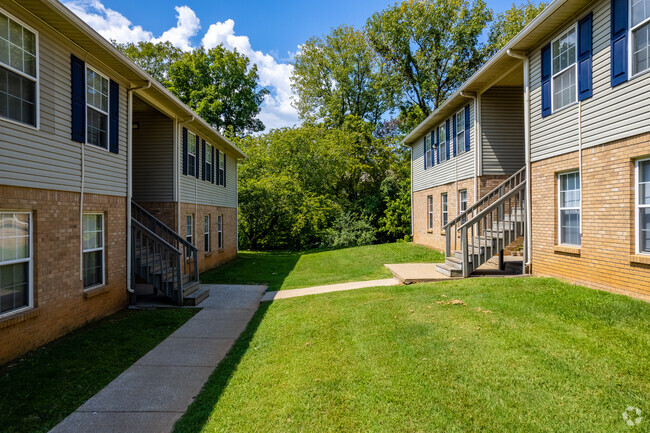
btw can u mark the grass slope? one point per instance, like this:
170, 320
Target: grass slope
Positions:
517, 355
52, 382
282, 271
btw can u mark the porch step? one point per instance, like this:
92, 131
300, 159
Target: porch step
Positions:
447, 270
454, 262
197, 296
190, 287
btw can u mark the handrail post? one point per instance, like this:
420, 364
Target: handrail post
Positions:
448, 241
179, 280
196, 265
464, 246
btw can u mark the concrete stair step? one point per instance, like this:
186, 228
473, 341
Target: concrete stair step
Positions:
447, 270
196, 297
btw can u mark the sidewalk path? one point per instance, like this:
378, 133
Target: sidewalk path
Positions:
155, 391
282, 294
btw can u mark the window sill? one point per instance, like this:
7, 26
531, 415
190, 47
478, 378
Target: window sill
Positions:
221, 250
641, 259
95, 291
20, 316
207, 253
566, 249
430, 231
442, 233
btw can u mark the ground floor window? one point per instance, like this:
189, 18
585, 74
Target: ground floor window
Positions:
93, 249
220, 231
643, 206
430, 211
189, 228
463, 200
569, 208
206, 233
444, 209
15, 261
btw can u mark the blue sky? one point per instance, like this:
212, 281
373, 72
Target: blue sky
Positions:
268, 32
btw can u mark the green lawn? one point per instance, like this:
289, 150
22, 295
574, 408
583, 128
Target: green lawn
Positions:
48, 384
501, 355
282, 271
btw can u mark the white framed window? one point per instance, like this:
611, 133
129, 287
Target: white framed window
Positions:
222, 168
18, 72
639, 36
16, 291
189, 228
208, 163
460, 132
443, 208
462, 199
430, 211
96, 108
427, 147
569, 208
564, 85
443, 145
206, 233
191, 154
220, 231
643, 206
93, 249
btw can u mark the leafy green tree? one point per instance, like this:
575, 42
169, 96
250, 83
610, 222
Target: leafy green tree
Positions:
341, 75
507, 24
221, 87
432, 46
155, 59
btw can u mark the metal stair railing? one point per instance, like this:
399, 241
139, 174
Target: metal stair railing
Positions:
190, 264
452, 228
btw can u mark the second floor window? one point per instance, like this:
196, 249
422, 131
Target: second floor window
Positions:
640, 35
427, 147
208, 163
97, 109
442, 146
222, 169
18, 72
569, 208
460, 132
191, 154
563, 52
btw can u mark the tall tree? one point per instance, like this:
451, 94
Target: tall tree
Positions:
221, 87
432, 46
340, 75
156, 59
507, 24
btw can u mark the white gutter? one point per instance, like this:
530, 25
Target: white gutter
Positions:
529, 242
476, 139
411, 157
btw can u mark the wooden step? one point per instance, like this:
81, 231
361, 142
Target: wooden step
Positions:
197, 296
447, 270
190, 287
454, 262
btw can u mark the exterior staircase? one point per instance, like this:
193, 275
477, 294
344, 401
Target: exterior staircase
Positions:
486, 228
164, 260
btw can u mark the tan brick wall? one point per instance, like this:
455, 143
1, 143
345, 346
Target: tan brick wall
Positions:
167, 212
608, 238
216, 256
488, 183
59, 301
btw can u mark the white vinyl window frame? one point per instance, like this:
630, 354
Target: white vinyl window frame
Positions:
29, 260
189, 228
444, 211
220, 232
206, 233
633, 28
222, 168
427, 152
209, 151
638, 205
442, 145
191, 154
98, 109
36, 79
561, 240
574, 65
462, 200
430, 212
460, 131
96, 249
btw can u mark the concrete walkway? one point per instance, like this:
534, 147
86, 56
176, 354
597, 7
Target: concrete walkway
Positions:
283, 294
155, 391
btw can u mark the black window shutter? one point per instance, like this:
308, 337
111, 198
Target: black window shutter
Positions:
197, 162
114, 117
225, 160
619, 42
204, 165
585, 87
546, 80
214, 167
184, 150
467, 128
217, 167
78, 99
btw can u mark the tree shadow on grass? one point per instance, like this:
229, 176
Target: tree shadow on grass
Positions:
199, 412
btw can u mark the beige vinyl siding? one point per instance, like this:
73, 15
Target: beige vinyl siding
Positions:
610, 114
47, 157
502, 127
153, 158
200, 191
444, 172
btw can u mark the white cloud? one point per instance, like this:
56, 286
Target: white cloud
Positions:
276, 111
187, 26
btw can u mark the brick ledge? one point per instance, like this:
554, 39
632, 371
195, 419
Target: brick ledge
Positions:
567, 249
91, 293
640, 258
5, 322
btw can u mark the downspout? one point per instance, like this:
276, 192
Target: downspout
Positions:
580, 159
476, 127
425, 155
529, 242
129, 179
81, 212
